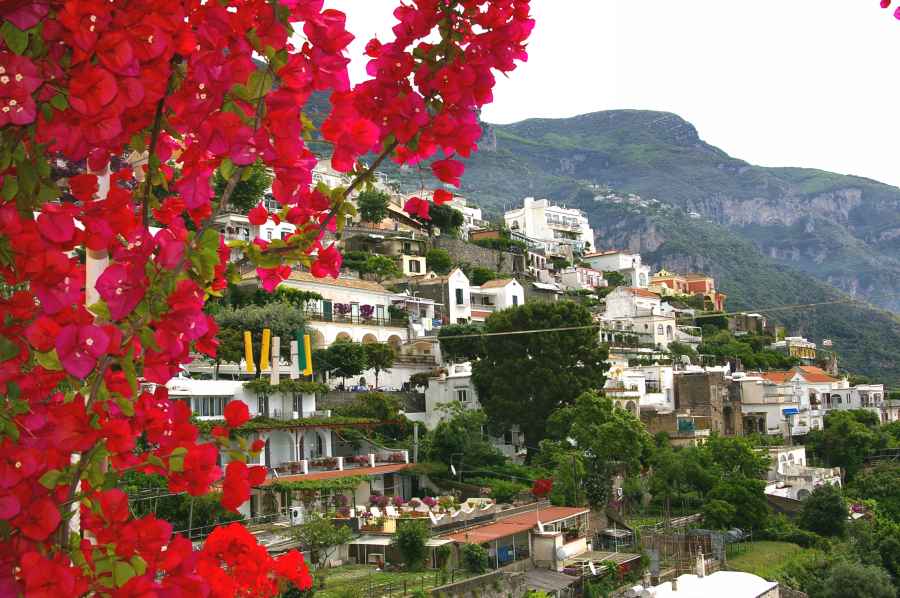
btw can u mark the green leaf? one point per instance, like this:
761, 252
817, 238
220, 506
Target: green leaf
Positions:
125, 405
139, 564
16, 39
176, 459
226, 168
8, 349
47, 193
101, 310
128, 368
122, 572
59, 101
49, 360
50, 479
10, 187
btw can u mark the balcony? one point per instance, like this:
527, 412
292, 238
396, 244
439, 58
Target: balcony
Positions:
374, 320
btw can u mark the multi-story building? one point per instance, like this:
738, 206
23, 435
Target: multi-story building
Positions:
452, 291
640, 312
581, 278
628, 264
406, 248
562, 231
668, 283
495, 295
797, 346
472, 219
635, 388
790, 475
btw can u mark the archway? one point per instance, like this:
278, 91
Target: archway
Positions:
369, 338
395, 342
631, 407
343, 337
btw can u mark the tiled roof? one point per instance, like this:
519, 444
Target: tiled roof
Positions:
642, 292
777, 377
330, 475
496, 284
815, 374
696, 276
347, 283
606, 252
514, 525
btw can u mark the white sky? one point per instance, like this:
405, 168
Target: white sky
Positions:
773, 82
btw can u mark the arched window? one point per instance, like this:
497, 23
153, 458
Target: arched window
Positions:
659, 329
669, 332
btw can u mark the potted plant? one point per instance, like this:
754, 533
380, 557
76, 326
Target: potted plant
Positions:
366, 311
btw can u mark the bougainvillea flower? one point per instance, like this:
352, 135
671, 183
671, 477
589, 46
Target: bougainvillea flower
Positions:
236, 414
416, 206
258, 215
39, 520
122, 287
442, 196
328, 263
79, 348
448, 170
92, 88
270, 278
18, 76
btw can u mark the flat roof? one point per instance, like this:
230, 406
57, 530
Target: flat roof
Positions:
735, 584
516, 524
548, 581
330, 475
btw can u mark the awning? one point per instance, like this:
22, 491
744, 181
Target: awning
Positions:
372, 541
544, 286
435, 542
545, 580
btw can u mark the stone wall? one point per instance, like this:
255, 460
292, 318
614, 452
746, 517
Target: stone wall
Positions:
496, 584
461, 252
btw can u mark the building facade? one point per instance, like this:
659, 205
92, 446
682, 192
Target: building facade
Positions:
555, 227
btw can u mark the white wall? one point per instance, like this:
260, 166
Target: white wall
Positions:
458, 312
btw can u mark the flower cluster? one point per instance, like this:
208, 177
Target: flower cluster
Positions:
105, 274
542, 488
887, 4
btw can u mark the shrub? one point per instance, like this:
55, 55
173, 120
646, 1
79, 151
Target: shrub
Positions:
502, 491
474, 558
410, 542
438, 260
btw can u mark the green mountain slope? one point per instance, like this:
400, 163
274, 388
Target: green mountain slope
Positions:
771, 236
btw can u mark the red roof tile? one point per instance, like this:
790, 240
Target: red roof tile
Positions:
328, 475
514, 525
777, 377
497, 283
815, 374
642, 292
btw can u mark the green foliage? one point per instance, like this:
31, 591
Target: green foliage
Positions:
610, 438
438, 260
748, 349
718, 514
446, 218
880, 483
474, 558
747, 497
373, 265
283, 319
284, 386
522, 379
344, 483
321, 537
615, 279
374, 405
848, 437
502, 244
460, 436
372, 205
174, 508
461, 349
409, 540
249, 191
780, 528
346, 359
238, 296
824, 512
379, 357
677, 349
481, 275
855, 580
503, 491
736, 455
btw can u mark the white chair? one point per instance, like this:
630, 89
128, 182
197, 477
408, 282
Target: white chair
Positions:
391, 512
376, 512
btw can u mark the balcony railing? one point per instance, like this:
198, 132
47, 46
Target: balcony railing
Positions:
374, 320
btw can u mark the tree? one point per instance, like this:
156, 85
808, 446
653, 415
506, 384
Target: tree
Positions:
474, 558
824, 512
846, 440
446, 218
611, 439
735, 455
460, 437
231, 347
346, 359
283, 319
481, 275
523, 378
468, 347
372, 265
438, 260
321, 537
373, 205
380, 358
250, 190
854, 580
881, 484
748, 498
409, 540
719, 514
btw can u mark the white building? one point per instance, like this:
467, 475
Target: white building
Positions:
733, 584
790, 476
235, 226
628, 264
552, 226
472, 218
640, 312
495, 295
579, 278
642, 387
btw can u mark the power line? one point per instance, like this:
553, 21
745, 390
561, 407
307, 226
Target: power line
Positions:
598, 326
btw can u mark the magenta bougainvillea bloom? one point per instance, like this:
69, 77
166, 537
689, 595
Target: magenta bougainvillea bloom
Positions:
79, 348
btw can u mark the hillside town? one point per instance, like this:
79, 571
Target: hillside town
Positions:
392, 412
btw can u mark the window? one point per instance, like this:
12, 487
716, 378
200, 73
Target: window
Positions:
459, 297
508, 437
462, 395
407, 247
515, 299
269, 234
659, 329
209, 406
414, 266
